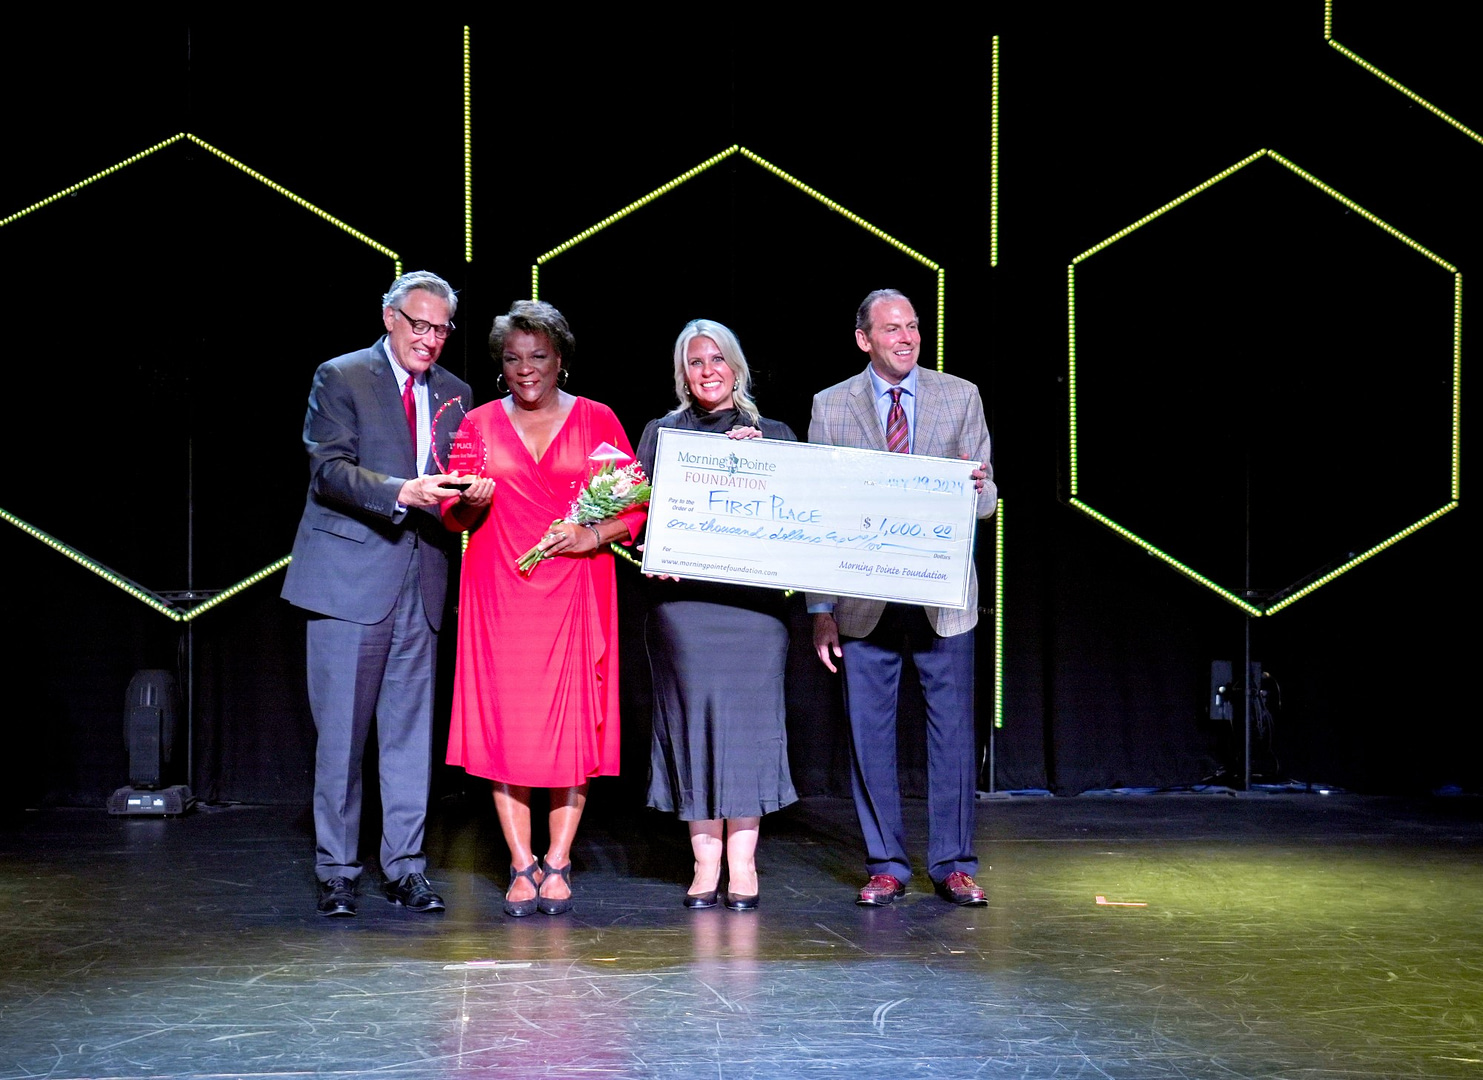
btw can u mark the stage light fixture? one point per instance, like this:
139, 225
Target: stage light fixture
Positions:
153, 735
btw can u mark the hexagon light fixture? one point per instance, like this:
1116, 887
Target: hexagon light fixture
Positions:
690, 174
879, 234
165, 605
1242, 602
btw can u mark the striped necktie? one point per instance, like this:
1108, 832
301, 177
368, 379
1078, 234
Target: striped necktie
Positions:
898, 439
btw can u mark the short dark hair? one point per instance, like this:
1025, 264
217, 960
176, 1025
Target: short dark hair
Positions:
862, 313
533, 317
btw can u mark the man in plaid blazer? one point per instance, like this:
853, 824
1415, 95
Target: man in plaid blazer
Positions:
895, 405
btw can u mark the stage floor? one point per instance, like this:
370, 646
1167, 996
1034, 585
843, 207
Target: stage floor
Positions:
1127, 937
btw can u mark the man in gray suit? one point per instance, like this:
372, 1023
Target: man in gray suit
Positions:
895, 405
370, 566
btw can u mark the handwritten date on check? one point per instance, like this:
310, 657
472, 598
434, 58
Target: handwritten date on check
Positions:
823, 519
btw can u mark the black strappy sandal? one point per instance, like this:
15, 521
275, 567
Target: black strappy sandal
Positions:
521, 908
546, 905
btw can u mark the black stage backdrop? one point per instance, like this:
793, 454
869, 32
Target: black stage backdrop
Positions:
1259, 364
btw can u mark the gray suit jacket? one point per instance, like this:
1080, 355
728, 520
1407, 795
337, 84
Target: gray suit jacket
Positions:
353, 546
949, 423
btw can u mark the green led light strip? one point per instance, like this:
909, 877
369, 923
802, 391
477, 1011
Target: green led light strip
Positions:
1352, 563
279, 188
468, 157
1071, 370
231, 591
300, 201
1456, 388
941, 310
90, 180
1328, 35
621, 551
1194, 575
994, 156
1190, 194
879, 234
637, 204
142, 595
1455, 463
1361, 211
138, 592
999, 615
690, 174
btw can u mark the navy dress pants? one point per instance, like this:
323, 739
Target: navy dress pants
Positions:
872, 679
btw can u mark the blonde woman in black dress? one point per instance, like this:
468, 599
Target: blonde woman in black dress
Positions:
717, 652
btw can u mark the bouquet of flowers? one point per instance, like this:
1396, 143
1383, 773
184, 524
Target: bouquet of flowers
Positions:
610, 490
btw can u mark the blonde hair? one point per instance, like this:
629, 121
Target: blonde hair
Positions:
731, 352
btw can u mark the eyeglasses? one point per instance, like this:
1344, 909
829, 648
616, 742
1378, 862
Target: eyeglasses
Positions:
421, 326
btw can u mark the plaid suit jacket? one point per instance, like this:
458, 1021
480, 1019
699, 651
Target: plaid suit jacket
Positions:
949, 423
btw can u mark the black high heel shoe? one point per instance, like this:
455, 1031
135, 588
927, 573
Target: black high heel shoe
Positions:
738, 902
521, 908
701, 901
546, 905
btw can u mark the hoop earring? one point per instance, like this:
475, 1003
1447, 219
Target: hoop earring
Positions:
500, 384
561, 376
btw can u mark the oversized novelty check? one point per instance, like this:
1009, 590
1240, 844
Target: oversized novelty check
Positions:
825, 519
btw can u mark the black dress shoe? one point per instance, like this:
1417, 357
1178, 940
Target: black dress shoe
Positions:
701, 901
414, 893
337, 897
738, 902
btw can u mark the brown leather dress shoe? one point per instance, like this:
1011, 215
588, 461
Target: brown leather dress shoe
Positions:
959, 888
880, 890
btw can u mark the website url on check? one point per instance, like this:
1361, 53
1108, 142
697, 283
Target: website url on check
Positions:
715, 567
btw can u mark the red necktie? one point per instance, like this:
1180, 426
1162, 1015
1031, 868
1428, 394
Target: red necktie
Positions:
409, 403
898, 439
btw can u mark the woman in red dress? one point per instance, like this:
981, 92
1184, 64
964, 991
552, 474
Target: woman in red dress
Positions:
535, 697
